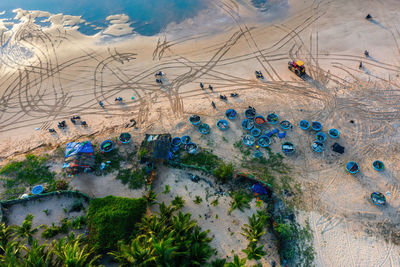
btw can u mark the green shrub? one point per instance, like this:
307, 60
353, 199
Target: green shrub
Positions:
134, 178
111, 219
197, 200
79, 222
224, 171
51, 231
32, 170
76, 206
202, 159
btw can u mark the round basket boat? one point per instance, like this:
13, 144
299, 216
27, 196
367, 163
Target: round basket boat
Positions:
255, 132
320, 136
231, 114
333, 133
250, 113
186, 139
304, 125
264, 141
125, 138
223, 125
37, 189
247, 124
106, 146
281, 135
257, 154
176, 141
195, 119
378, 199
248, 140
318, 146
272, 118
316, 126
191, 148
204, 128
285, 125
378, 165
288, 148
259, 120
352, 167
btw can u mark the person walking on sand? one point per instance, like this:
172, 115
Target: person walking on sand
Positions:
361, 65
213, 104
366, 53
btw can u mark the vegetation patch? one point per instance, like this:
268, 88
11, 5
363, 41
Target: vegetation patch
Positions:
166, 239
111, 219
33, 170
135, 178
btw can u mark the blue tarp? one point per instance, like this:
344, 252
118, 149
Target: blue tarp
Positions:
259, 189
74, 148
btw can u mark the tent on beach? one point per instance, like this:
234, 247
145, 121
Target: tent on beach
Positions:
156, 146
79, 157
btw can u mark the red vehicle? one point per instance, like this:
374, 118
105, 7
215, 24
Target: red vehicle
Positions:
297, 67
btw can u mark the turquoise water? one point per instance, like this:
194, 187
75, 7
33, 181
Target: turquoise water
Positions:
148, 17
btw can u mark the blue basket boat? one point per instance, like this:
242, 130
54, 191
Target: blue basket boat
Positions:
378, 199
268, 133
275, 131
316, 126
176, 141
37, 190
281, 135
257, 154
272, 118
195, 119
264, 141
191, 148
259, 120
106, 146
204, 128
288, 148
255, 132
352, 167
248, 140
378, 165
285, 125
186, 139
304, 125
247, 124
318, 146
333, 133
175, 149
320, 136
231, 114
124, 138
250, 113
223, 125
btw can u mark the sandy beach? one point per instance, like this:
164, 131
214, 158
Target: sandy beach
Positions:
49, 75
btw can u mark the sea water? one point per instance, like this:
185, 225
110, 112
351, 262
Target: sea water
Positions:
145, 17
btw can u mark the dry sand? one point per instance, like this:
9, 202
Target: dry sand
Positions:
70, 73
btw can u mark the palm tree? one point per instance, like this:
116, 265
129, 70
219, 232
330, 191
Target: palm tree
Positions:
218, 263
254, 252
6, 234
178, 202
237, 262
139, 252
153, 226
240, 201
38, 255
166, 212
165, 251
182, 224
254, 230
26, 231
72, 254
200, 250
11, 255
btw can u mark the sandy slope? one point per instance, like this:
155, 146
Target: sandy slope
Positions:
69, 74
